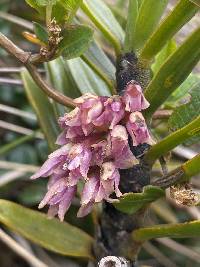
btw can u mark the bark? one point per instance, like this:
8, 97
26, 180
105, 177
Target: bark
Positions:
113, 235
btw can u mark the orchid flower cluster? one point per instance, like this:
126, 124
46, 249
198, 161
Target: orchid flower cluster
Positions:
94, 147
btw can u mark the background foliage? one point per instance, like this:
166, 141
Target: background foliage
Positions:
28, 126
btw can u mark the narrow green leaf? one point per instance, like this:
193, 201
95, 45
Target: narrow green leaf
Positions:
119, 14
179, 230
191, 167
43, 108
71, 6
186, 113
45, 2
100, 59
196, 2
167, 50
171, 141
60, 77
121, 4
131, 202
173, 72
179, 16
148, 17
62, 10
17, 142
51, 234
76, 40
129, 43
102, 17
34, 4
40, 32
86, 79
183, 89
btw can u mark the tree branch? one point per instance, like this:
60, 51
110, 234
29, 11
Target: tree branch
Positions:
180, 174
25, 58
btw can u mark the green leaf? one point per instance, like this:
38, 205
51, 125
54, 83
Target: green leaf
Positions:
100, 59
86, 79
53, 235
17, 142
76, 40
173, 72
179, 230
62, 10
131, 202
179, 16
191, 167
119, 14
102, 17
40, 32
130, 26
183, 89
190, 130
186, 113
43, 108
45, 2
33, 4
149, 15
167, 50
196, 2
71, 7
61, 78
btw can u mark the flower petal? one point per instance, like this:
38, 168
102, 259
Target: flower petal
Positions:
66, 201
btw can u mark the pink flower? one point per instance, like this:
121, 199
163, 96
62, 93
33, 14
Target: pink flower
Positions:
108, 182
138, 130
121, 152
134, 98
94, 147
113, 113
79, 157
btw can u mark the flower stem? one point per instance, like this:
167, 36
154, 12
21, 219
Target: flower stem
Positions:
25, 58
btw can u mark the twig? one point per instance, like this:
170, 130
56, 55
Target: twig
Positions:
162, 114
169, 179
10, 176
26, 255
10, 81
19, 21
19, 129
17, 112
51, 92
160, 257
25, 58
175, 246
